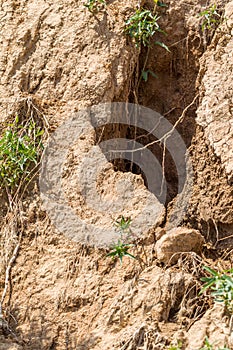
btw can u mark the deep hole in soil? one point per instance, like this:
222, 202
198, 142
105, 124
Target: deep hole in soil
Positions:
111, 131
169, 95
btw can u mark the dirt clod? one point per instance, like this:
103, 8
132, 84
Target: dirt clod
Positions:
176, 241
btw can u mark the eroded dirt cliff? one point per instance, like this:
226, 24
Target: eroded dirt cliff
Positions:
57, 58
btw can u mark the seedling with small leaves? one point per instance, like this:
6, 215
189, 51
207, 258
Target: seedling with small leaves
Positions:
221, 286
123, 224
95, 5
120, 249
209, 346
210, 18
20, 147
142, 25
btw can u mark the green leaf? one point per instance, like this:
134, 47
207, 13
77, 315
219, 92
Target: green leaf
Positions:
211, 271
112, 254
18, 150
16, 119
162, 45
229, 280
146, 73
161, 4
207, 279
131, 256
142, 25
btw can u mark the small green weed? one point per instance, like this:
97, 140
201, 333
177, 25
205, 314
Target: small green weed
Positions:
19, 150
178, 346
210, 17
120, 249
146, 73
221, 286
142, 25
123, 224
209, 346
95, 5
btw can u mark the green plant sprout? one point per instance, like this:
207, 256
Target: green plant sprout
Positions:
211, 18
20, 147
209, 346
120, 249
146, 73
178, 346
123, 224
142, 25
95, 5
221, 286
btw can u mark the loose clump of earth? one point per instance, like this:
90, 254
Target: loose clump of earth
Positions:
60, 290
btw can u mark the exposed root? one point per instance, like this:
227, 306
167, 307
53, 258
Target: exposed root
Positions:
3, 322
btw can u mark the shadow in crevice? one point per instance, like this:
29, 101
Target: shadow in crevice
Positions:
163, 156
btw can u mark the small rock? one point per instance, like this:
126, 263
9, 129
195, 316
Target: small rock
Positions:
178, 240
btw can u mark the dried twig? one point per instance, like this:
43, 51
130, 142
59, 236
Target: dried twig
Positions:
168, 134
7, 280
